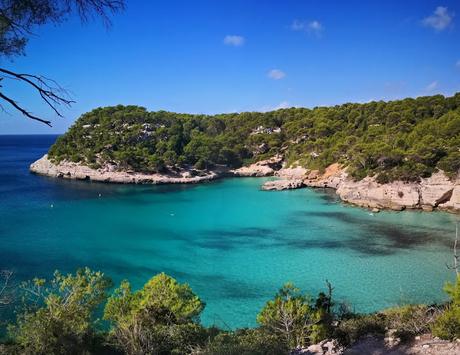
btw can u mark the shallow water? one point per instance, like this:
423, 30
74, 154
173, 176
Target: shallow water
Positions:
234, 244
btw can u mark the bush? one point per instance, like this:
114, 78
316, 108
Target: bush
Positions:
410, 320
161, 318
350, 330
62, 323
292, 316
245, 342
447, 325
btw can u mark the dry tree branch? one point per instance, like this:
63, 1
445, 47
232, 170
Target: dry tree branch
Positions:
5, 296
456, 264
101, 8
50, 92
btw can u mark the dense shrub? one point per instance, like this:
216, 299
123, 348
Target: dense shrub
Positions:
59, 320
160, 318
245, 342
411, 320
350, 330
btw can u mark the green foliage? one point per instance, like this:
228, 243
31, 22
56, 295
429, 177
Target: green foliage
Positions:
406, 139
60, 318
405, 322
161, 318
447, 325
245, 342
410, 320
293, 316
350, 330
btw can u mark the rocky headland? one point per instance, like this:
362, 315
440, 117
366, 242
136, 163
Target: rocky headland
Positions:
111, 174
435, 192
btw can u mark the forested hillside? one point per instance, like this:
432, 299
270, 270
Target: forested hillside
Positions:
405, 139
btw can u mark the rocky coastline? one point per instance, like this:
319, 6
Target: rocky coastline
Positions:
109, 174
435, 192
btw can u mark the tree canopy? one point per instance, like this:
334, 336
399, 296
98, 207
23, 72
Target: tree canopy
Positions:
404, 139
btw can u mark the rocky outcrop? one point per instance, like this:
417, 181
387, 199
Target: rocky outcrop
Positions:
69, 170
261, 168
437, 191
285, 184
333, 176
293, 173
368, 193
434, 192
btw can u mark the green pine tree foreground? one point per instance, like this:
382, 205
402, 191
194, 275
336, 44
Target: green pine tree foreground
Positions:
397, 140
60, 316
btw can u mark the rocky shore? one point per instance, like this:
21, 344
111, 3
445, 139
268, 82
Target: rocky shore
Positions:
435, 192
76, 171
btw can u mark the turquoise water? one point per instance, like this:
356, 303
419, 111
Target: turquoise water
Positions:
234, 244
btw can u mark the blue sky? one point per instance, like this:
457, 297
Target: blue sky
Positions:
227, 56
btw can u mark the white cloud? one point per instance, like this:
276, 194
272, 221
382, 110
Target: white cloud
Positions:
313, 27
440, 19
234, 40
432, 86
282, 104
276, 74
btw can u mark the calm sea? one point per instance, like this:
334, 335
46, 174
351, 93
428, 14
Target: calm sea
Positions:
234, 244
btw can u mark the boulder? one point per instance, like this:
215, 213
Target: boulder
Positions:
261, 168
285, 184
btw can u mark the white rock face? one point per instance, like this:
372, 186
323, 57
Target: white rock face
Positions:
368, 193
261, 168
437, 191
296, 173
69, 170
279, 185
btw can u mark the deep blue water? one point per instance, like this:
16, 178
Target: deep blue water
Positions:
234, 244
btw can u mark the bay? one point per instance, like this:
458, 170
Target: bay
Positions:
233, 243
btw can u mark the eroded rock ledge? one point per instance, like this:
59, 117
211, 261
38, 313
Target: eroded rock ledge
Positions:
437, 191
434, 192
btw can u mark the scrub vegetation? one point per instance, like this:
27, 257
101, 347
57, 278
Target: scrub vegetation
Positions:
63, 316
398, 140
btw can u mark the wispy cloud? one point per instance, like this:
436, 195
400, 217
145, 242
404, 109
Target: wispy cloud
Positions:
276, 74
298, 25
440, 19
432, 86
234, 40
313, 27
457, 64
282, 104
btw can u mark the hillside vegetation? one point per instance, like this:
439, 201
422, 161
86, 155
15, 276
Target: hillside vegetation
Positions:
405, 139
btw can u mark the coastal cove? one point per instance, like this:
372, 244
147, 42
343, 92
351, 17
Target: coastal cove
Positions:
234, 244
